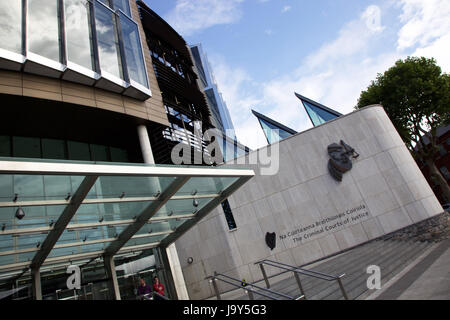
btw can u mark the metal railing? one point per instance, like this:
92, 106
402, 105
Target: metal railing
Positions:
248, 287
151, 296
297, 271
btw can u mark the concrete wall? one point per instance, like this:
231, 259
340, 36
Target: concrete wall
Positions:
22, 84
384, 191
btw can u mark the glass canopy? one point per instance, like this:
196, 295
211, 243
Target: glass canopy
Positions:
59, 211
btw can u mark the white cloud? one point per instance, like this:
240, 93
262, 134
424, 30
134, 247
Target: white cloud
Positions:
240, 94
191, 16
337, 72
286, 9
268, 32
426, 30
425, 22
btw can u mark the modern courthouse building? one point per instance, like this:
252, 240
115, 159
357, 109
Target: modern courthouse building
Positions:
95, 95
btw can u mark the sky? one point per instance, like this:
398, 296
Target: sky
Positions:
261, 51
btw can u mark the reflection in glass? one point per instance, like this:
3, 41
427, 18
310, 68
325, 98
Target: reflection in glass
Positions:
53, 149
78, 35
11, 25
133, 52
123, 5
26, 147
318, 115
108, 42
273, 133
5, 146
43, 28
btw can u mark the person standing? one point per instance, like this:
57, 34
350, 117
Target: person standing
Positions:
157, 287
143, 288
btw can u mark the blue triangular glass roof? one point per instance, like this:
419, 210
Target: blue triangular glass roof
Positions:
273, 130
317, 112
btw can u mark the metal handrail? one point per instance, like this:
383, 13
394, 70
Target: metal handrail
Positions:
151, 296
249, 291
315, 274
297, 271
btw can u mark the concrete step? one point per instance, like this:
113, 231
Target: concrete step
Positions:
343, 261
391, 271
350, 281
391, 256
334, 266
388, 266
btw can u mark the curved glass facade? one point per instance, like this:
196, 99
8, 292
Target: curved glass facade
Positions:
80, 49
43, 29
11, 25
91, 42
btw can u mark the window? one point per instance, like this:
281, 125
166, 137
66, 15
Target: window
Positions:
229, 215
24, 147
43, 28
11, 25
442, 150
445, 173
123, 5
99, 152
273, 133
108, 41
78, 33
318, 115
78, 151
5, 146
53, 149
60, 30
133, 51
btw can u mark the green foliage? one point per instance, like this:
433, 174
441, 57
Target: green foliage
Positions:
416, 96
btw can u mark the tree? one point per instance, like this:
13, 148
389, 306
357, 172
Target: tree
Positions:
416, 96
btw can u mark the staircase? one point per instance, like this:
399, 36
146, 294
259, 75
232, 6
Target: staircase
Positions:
392, 253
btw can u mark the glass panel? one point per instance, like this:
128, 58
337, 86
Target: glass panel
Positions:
228, 215
133, 51
28, 187
26, 147
92, 213
105, 2
318, 115
5, 146
78, 34
108, 42
43, 28
118, 155
123, 5
182, 207
272, 132
53, 149
78, 150
99, 152
11, 25
205, 185
6, 187
146, 240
